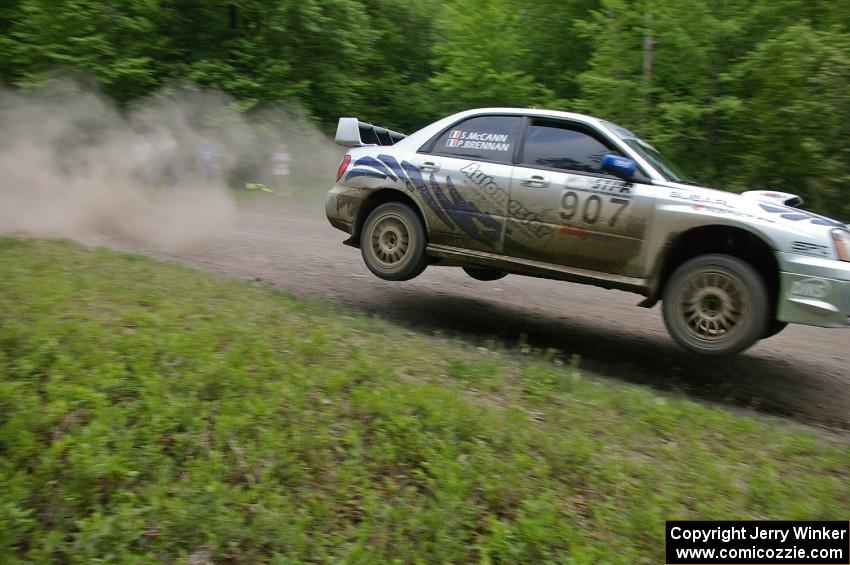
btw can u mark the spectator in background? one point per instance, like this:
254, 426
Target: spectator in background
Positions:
169, 168
280, 167
207, 159
142, 156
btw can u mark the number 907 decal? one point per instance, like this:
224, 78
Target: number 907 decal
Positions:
589, 208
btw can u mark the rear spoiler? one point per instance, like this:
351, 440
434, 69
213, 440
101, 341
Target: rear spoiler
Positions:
351, 132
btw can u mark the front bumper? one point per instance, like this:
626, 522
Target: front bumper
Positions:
813, 291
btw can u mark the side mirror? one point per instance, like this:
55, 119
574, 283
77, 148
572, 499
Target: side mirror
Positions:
622, 167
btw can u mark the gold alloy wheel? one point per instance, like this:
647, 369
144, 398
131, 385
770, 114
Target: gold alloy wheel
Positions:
712, 306
390, 240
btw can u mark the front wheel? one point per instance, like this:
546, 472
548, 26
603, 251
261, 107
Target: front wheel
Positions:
716, 305
392, 242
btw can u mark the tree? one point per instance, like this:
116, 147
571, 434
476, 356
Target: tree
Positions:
116, 42
556, 52
740, 93
479, 58
793, 119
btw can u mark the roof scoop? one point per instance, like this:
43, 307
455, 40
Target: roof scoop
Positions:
774, 197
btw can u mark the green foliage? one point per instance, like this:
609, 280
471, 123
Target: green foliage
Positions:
480, 54
149, 412
741, 93
116, 42
794, 115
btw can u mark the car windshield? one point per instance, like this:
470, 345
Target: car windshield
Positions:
666, 167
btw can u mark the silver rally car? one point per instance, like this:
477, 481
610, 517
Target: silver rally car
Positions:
572, 197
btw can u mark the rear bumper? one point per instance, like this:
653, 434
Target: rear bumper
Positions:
342, 205
814, 291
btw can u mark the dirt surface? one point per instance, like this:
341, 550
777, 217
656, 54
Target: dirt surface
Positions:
800, 373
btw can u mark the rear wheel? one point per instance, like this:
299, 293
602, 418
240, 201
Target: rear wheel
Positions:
392, 242
716, 305
482, 274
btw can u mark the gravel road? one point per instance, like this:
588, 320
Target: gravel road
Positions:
800, 373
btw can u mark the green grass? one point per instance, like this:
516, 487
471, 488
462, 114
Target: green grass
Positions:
149, 411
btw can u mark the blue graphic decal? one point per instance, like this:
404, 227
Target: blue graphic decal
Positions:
418, 183
448, 204
378, 170
391, 162
794, 215
353, 173
375, 164
467, 216
827, 222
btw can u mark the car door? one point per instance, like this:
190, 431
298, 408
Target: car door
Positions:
564, 209
466, 172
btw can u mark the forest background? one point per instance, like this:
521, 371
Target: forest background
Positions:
740, 93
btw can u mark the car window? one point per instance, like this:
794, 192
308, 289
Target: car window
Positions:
561, 146
662, 164
483, 137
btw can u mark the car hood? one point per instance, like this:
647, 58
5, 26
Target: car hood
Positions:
771, 206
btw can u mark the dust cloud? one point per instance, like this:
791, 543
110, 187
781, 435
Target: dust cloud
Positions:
164, 173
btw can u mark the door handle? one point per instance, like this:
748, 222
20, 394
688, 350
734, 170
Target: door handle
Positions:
429, 167
535, 181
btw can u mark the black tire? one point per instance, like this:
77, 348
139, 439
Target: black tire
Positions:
393, 241
483, 274
774, 328
716, 305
